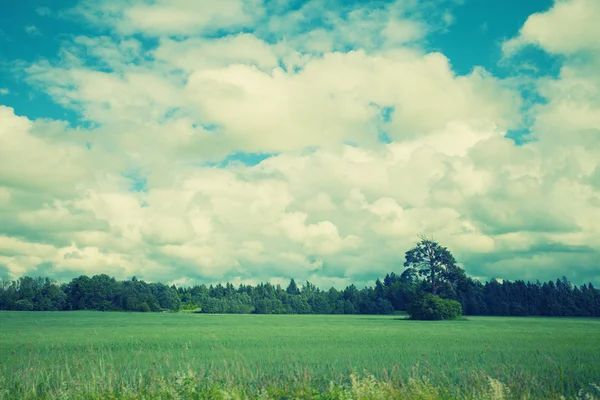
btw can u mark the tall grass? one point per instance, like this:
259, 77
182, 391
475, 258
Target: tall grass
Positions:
98, 355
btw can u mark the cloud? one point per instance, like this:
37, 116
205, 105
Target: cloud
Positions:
333, 203
33, 30
44, 11
570, 112
329, 214
31, 162
4, 91
569, 27
237, 85
170, 18
200, 53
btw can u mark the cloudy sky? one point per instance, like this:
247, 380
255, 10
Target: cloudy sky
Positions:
191, 141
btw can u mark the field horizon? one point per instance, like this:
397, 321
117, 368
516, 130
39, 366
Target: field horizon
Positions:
87, 354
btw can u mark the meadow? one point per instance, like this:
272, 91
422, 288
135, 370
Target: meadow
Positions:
175, 355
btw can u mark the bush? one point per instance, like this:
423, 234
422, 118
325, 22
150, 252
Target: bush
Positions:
23, 305
429, 307
143, 307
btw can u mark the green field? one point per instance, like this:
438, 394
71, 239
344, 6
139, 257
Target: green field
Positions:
135, 355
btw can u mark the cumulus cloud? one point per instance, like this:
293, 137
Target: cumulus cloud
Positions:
570, 113
333, 203
172, 17
570, 26
256, 106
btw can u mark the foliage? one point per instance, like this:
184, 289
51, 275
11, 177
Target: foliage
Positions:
429, 307
393, 293
434, 262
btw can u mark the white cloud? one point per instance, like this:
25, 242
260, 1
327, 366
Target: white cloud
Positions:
570, 115
43, 11
199, 53
320, 208
26, 162
33, 30
570, 26
258, 107
172, 17
4, 91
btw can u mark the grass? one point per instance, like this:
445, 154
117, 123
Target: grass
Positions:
135, 355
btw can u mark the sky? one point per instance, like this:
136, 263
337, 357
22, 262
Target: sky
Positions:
191, 142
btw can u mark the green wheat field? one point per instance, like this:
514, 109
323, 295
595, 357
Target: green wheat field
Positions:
89, 355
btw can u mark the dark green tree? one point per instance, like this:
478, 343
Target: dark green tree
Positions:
292, 288
433, 262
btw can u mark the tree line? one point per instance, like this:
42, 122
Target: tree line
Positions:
393, 293
432, 286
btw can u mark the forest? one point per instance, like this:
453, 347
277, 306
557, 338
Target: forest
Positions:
393, 293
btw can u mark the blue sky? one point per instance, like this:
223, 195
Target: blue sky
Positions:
256, 141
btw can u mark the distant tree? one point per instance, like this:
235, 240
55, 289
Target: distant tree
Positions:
384, 306
349, 307
299, 305
390, 279
23, 305
404, 292
166, 296
433, 262
352, 295
401, 294
320, 304
380, 291
292, 288
309, 289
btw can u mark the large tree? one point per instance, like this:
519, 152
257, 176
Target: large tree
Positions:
434, 262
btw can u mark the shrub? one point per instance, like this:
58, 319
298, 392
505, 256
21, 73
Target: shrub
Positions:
23, 305
429, 307
143, 307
